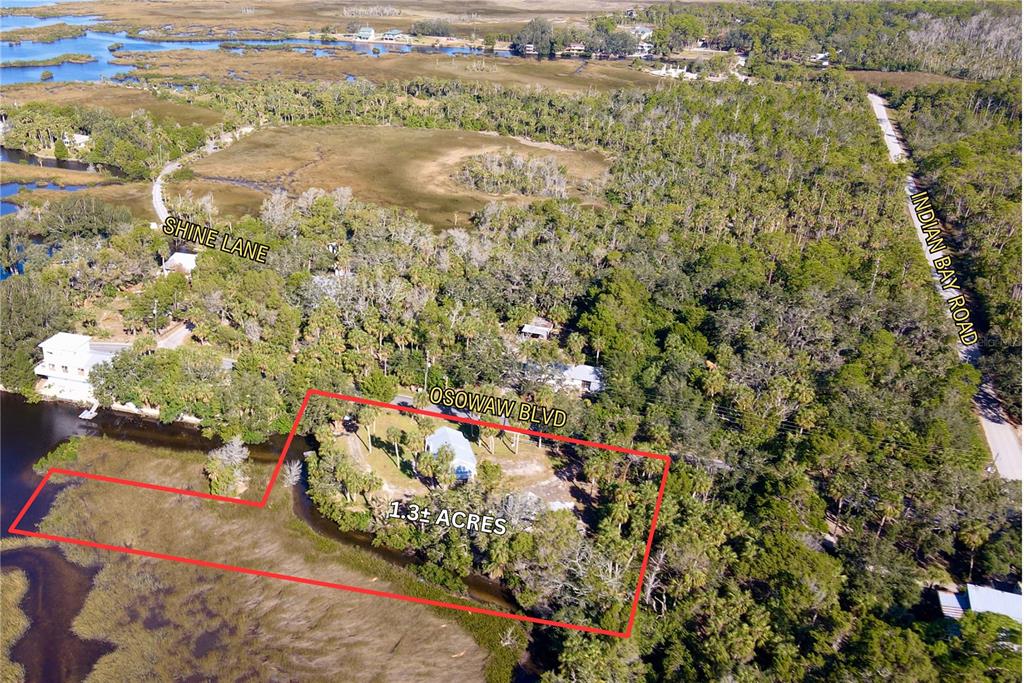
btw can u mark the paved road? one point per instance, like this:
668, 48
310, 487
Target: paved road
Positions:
1002, 436
175, 336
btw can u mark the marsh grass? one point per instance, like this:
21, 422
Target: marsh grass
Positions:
13, 587
406, 167
168, 618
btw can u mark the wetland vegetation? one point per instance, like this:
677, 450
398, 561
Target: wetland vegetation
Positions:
745, 278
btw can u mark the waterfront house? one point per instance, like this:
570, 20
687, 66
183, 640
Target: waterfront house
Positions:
67, 360
529, 49
365, 33
396, 35
574, 49
463, 460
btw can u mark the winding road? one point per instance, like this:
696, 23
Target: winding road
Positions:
1002, 436
212, 145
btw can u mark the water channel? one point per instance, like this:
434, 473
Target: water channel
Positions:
97, 44
58, 588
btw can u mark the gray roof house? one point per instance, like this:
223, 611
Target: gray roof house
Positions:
980, 599
464, 461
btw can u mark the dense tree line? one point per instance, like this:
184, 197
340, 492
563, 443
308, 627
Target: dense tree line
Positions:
138, 145
965, 140
759, 309
505, 173
970, 40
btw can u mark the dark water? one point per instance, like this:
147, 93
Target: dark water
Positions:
12, 21
9, 189
16, 156
65, 656
58, 588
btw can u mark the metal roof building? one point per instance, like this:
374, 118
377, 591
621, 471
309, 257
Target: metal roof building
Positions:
464, 460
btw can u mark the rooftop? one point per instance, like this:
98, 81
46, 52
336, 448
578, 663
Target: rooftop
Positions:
464, 460
985, 599
65, 342
182, 261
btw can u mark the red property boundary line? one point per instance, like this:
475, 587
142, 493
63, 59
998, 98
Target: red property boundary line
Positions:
355, 589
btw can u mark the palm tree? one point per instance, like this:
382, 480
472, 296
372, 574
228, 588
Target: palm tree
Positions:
394, 435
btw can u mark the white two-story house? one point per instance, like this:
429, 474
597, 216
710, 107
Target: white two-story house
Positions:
67, 360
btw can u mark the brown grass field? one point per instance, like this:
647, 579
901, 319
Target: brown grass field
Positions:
168, 619
900, 79
278, 17
120, 100
405, 167
566, 75
29, 173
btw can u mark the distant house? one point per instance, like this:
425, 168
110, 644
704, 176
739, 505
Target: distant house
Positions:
464, 460
642, 32
529, 49
538, 328
643, 48
179, 262
365, 33
76, 139
574, 49
394, 35
980, 599
67, 360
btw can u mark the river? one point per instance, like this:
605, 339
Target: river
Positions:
97, 44
58, 588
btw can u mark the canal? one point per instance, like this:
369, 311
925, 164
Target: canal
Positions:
49, 650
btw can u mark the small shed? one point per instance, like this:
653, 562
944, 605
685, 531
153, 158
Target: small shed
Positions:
464, 460
582, 377
538, 328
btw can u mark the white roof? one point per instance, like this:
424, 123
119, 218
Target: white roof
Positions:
65, 341
536, 329
180, 259
464, 458
582, 373
951, 604
985, 599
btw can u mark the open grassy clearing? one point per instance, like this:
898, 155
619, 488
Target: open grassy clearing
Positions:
13, 586
232, 201
118, 99
169, 619
404, 167
901, 79
260, 64
11, 172
527, 468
